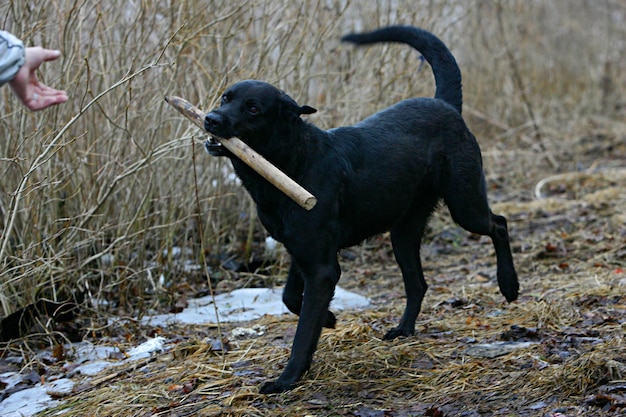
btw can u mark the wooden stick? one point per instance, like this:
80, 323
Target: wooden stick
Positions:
251, 158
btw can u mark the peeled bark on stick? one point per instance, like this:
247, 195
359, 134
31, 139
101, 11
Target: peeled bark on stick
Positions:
251, 158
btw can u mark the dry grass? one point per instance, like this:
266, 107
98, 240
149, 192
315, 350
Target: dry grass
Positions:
96, 193
355, 373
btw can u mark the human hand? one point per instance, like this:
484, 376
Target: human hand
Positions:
26, 86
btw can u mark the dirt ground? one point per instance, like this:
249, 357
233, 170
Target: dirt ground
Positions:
557, 351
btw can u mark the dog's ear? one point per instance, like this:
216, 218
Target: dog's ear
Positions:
307, 109
289, 107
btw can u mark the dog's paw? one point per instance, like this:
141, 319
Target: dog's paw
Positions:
331, 320
510, 293
275, 387
509, 286
398, 332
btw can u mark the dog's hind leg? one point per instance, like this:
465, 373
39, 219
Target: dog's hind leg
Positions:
466, 198
406, 237
507, 277
293, 293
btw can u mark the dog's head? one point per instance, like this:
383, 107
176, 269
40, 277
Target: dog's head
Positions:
252, 111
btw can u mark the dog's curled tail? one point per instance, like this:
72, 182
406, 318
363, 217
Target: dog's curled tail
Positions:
444, 66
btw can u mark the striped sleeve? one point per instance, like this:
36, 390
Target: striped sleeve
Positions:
11, 56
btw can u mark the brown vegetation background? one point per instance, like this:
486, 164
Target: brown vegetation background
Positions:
94, 191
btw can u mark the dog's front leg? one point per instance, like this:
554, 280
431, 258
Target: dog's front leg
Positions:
319, 287
294, 291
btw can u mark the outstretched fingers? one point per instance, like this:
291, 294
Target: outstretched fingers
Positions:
26, 86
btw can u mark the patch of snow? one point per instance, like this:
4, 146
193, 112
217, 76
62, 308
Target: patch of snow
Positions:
271, 246
248, 332
86, 352
244, 305
145, 349
90, 368
493, 350
91, 358
11, 379
31, 401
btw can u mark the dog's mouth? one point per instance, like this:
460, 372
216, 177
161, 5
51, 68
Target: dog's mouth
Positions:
212, 141
212, 144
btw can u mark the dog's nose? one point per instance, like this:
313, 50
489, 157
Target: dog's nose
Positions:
212, 121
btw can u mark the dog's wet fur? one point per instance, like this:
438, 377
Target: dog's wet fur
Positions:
385, 173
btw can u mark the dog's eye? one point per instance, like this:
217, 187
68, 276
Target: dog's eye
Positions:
224, 99
252, 109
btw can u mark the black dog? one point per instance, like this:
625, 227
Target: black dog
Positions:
387, 172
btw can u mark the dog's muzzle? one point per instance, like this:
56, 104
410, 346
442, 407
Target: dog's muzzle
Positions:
213, 147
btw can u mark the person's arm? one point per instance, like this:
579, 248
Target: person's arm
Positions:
12, 56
